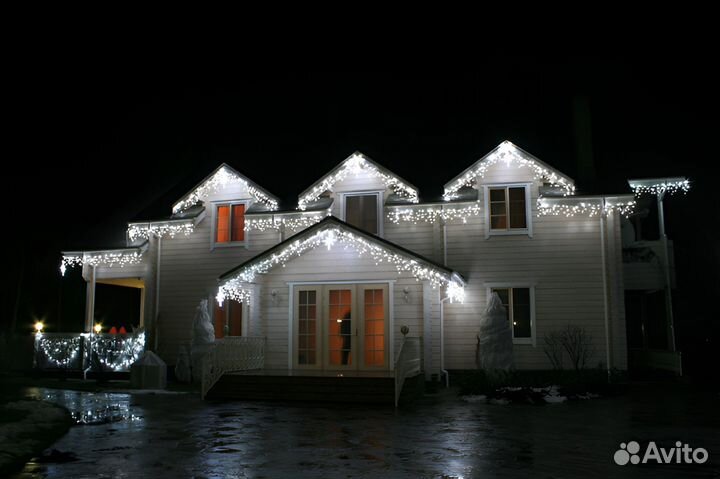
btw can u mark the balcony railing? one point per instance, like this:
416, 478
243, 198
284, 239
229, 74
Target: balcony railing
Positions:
87, 351
230, 355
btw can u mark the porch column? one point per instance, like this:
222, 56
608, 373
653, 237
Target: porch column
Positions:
90, 301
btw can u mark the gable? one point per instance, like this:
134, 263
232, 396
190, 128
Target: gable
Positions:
508, 153
329, 233
223, 176
354, 165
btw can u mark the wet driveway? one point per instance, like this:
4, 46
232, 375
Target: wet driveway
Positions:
178, 435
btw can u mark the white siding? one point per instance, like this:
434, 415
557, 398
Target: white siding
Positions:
189, 270
321, 265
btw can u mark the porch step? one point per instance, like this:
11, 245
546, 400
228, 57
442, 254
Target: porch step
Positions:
305, 388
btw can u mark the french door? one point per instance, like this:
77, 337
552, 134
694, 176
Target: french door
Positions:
341, 327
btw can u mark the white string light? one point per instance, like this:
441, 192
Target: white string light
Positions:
163, 229
640, 187
116, 352
554, 207
293, 220
234, 287
110, 259
223, 177
509, 154
355, 165
418, 214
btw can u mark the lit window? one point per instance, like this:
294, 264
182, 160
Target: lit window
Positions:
228, 319
518, 305
230, 223
508, 208
362, 211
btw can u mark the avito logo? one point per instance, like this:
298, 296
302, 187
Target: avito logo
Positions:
680, 454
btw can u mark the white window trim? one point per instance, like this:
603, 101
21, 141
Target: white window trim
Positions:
533, 325
229, 244
380, 206
528, 211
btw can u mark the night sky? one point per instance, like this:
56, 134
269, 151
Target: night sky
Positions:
100, 147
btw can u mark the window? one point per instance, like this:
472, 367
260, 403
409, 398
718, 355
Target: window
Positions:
518, 303
363, 211
228, 319
508, 209
229, 224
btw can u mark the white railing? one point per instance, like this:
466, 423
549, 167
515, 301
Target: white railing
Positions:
408, 363
231, 354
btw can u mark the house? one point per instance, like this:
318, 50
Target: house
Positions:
364, 280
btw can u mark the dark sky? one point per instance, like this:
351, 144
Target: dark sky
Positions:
101, 146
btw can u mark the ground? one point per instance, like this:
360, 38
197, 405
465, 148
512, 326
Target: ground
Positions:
178, 435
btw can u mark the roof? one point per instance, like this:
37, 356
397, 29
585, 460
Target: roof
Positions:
507, 151
353, 163
329, 223
220, 176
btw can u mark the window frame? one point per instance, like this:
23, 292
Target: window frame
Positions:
533, 325
245, 311
213, 229
380, 207
528, 210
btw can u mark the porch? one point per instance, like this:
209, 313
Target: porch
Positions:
83, 352
234, 368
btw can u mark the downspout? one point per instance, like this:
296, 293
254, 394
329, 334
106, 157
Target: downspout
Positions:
605, 287
442, 342
157, 292
444, 233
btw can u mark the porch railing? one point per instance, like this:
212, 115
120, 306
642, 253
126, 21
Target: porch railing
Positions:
84, 351
229, 355
408, 363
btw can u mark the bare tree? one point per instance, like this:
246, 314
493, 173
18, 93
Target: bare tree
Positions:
578, 345
554, 349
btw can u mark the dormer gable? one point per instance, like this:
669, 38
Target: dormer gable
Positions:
222, 177
357, 165
509, 155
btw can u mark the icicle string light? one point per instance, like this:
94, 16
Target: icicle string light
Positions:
640, 187
234, 287
509, 154
223, 177
166, 228
291, 221
110, 259
589, 208
428, 214
355, 165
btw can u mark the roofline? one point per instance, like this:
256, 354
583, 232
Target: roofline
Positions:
530, 155
140, 248
248, 180
366, 158
669, 179
587, 197
168, 220
331, 219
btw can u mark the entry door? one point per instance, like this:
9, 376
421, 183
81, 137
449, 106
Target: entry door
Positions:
340, 327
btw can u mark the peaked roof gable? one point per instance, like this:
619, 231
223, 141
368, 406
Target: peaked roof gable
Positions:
354, 164
219, 178
327, 233
509, 153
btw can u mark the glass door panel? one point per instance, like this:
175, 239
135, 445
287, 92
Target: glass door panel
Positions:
340, 328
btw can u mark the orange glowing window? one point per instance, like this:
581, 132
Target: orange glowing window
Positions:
230, 223
374, 309
227, 319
